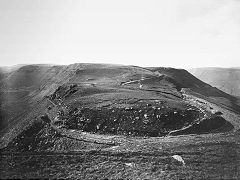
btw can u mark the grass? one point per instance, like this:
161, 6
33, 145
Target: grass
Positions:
203, 161
33, 149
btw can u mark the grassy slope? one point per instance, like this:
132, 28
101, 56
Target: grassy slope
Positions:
151, 157
37, 81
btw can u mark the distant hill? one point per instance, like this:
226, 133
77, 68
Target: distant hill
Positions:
225, 79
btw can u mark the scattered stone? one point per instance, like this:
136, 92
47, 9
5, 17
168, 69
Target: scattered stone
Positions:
145, 115
179, 158
114, 147
128, 109
130, 164
145, 121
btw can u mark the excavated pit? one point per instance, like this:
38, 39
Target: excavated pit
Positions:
141, 120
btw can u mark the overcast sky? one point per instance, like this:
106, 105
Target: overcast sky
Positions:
173, 33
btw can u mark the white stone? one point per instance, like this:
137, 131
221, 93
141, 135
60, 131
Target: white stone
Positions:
179, 158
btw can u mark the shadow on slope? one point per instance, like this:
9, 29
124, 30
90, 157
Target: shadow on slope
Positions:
214, 124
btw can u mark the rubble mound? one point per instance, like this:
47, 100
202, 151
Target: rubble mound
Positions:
139, 120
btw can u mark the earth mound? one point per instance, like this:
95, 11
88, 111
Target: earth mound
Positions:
107, 99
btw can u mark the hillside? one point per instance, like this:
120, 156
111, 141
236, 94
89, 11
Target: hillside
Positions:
225, 79
119, 110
